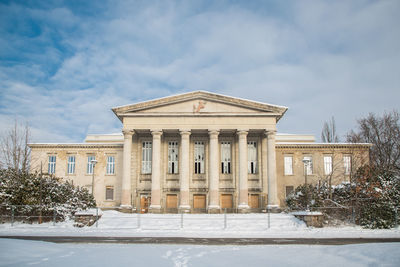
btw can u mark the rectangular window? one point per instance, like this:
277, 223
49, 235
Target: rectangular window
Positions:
109, 193
199, 157
289, 190
146, 157
173, 157
328, 165
226, 157
252, 157
347, 164
71, 164
89, 169
309, 166
288, 161
110, 165
52, 164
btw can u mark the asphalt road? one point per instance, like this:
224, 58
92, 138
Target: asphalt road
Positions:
205, 241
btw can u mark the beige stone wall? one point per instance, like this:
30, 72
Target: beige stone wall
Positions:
40, 154
359, 154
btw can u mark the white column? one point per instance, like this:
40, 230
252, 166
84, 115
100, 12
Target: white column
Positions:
156, 172
264, 162
213, 172
184, 170
243, 186
126, 175
273, 201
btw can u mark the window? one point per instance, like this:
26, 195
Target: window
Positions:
252, 157
173, 157
109, 193
89, 169
347, 164
289, 190
71, 164
199, 157
226, 157
328, 165
288, 162
146, 157
52, 164
110, 165
309, 166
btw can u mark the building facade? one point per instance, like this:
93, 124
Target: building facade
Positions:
197, 152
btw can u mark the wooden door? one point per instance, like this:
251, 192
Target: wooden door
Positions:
172, 201
144, 203
226, 201
254, 201
199, 201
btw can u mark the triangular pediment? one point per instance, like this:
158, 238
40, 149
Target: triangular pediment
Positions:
198, 103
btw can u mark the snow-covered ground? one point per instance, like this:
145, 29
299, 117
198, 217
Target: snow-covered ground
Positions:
37, 253
117, 224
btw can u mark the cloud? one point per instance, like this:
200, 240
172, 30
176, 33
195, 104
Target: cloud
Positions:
320, 58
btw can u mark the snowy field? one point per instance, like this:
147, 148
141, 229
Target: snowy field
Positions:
114, 223
37, 253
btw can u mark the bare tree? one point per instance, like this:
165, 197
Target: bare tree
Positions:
328, 134
14, 149
384, 133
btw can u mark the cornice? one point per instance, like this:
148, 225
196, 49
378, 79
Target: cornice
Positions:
323, 145
80, 145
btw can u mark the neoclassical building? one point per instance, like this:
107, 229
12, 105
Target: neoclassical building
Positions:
197, 152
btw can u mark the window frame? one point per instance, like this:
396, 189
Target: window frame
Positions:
52, 164
108, 187
147, 154
286, 170
110, 165
252, 166
226, 157
173, 157
309, 169
328, 165
71, 165
199, 157
89, 166
347, 164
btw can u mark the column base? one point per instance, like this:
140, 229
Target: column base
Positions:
126, 209
213, 209
155, 209
243, 208
184, 209
273, 208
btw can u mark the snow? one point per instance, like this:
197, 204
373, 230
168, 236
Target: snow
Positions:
114, 223
37, 253
303, 213
94, 212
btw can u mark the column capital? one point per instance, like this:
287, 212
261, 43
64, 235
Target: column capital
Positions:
270, 133
242, 132
213, 133
128, 132
184, 132
156, 132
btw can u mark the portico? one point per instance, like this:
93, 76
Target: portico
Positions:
203, 147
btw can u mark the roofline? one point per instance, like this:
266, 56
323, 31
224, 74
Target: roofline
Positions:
75, 145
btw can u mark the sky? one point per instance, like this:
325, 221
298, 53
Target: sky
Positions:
65, 64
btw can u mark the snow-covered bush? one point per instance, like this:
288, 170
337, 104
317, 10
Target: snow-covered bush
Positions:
28, 194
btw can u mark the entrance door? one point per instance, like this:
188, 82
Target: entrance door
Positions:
226, 201
254, 202
144, 203
199, 201
172, 201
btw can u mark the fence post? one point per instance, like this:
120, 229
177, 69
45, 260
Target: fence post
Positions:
97, 217
269, 218
138, 220
54, 216
182, 220
12, 215
225, 219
